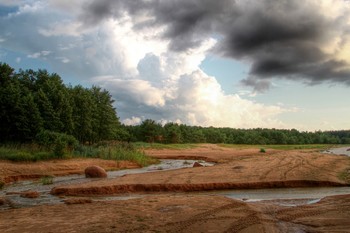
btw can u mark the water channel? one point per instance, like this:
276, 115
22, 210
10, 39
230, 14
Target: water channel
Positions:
282, 196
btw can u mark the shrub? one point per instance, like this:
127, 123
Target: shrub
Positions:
87, 151
56, 142
262, 150
2, 184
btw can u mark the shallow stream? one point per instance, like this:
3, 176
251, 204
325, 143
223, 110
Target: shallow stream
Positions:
12, 191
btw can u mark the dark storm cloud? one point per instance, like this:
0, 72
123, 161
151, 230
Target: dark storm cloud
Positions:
191, 22
188, 22
281, 39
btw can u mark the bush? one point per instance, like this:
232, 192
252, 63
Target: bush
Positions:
262, 150
56, 142
87, 151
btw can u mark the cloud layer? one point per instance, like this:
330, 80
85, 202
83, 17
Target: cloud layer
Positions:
147, 53
289, 39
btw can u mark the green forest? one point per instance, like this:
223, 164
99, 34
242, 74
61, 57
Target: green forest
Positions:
37, 106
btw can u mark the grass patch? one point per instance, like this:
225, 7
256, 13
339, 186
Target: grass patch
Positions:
115, 151
121, 151
46, 180
144, 145
24, 153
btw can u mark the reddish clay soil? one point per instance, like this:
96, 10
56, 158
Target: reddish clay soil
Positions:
180, 213
241, 169
190, 212
207, 152
14, 171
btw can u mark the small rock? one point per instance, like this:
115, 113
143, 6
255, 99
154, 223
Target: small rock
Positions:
196, 164
2, 201
95, 172
348, 149
30, 194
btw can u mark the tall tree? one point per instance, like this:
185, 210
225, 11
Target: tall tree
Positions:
105, 123
83, 113
172, 133
151, 131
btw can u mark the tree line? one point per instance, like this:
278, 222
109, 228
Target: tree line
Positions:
151, 131
37, 104
36, 101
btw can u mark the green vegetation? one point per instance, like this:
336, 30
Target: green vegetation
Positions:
262, 150
118, 151
173, 133
2, 184
146, 145
46, 180
41, 118
36, 101
25, 153
56, 142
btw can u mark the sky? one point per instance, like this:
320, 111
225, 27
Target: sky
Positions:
227, 63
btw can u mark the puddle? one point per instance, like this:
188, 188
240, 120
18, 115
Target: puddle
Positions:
279, 196
47, 198
338, 151
285, 196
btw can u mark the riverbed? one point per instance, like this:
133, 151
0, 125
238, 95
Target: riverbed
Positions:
282, 196
13, 191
